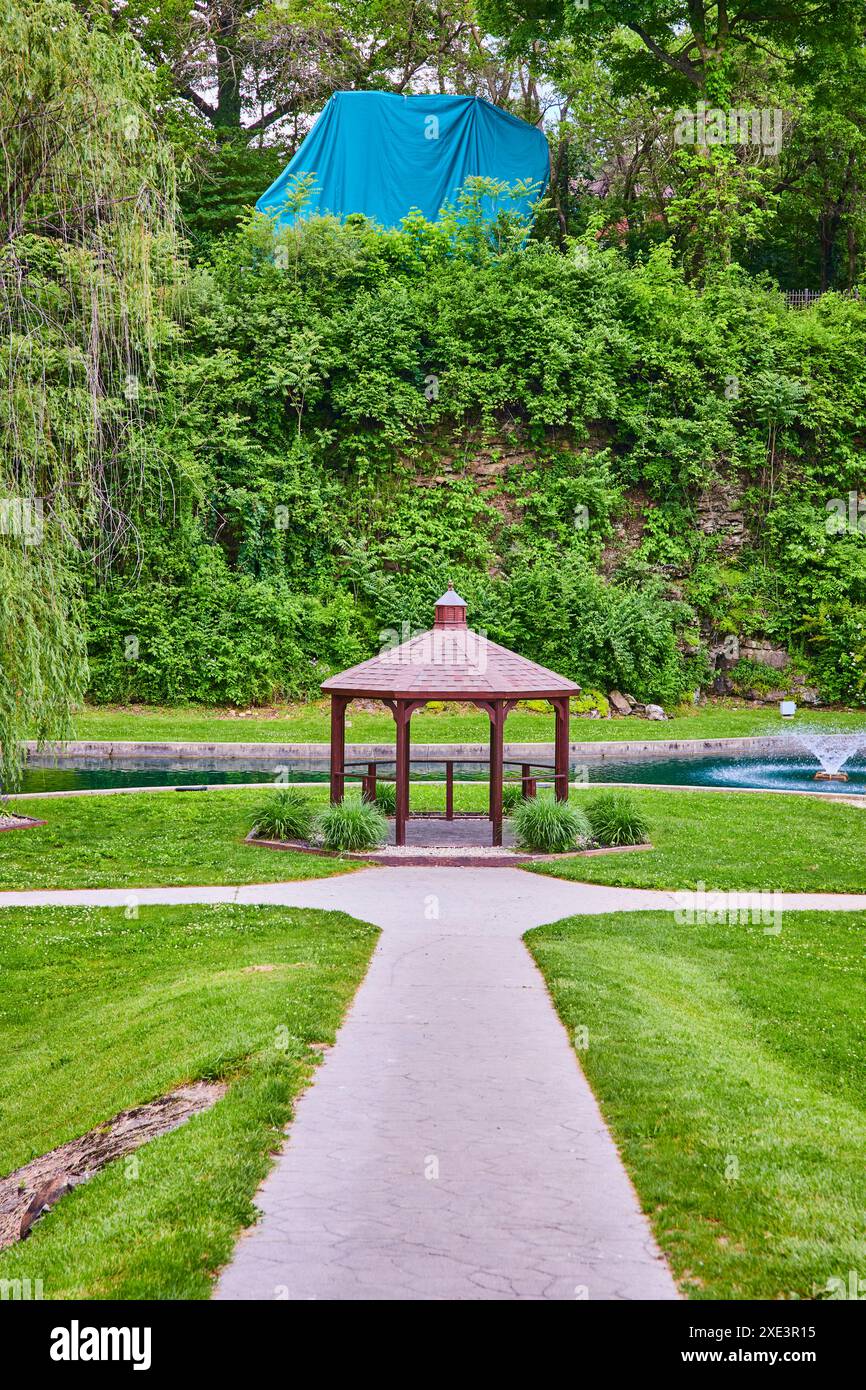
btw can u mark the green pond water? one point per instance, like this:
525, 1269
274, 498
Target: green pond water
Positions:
793, 772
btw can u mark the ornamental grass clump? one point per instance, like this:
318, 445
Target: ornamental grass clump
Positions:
512, 795
550, 827
350, 826
287, 815
616, 820
386, 798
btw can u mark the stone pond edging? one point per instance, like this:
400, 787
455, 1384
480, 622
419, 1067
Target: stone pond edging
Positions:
603, 750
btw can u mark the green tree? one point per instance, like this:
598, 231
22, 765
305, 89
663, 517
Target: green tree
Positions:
794, 203
248, 65
240, 82
683, 46
86, 256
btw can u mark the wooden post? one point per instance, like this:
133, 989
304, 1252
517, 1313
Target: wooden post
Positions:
525, 779
449, 790
497, 730
402, 714
371, 781
338, 746
560, 756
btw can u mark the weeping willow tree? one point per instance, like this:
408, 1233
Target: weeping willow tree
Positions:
87, 272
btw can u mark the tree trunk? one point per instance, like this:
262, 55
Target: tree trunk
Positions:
228, 67
828, 224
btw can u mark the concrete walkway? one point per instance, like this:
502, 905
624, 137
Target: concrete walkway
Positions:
450, 1146
377, 895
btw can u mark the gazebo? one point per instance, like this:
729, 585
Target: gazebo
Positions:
449, 662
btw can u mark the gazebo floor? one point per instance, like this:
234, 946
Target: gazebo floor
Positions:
464, 832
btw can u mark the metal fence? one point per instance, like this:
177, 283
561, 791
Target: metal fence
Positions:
803, 299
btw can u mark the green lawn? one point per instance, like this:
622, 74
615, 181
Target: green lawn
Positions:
731, 1068
734, 840
100, 1013
725, 839
143, 839
309, 723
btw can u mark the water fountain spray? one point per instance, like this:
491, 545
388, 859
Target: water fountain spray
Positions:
832, 751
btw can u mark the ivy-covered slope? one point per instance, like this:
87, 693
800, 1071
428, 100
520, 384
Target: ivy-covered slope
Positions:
618, 470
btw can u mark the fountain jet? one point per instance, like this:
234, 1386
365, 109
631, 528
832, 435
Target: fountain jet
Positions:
832, 751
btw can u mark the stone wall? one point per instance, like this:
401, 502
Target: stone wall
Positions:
719, 513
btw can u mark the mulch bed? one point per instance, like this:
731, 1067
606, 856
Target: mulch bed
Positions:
444, 857
32, 1190
8, 822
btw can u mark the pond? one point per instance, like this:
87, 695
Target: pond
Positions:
795, 771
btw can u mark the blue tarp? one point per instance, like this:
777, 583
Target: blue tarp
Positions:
382, 155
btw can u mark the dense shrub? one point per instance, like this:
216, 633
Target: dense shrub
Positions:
615, 820
838, 633
746, 675
318, 427
549, 827
350, 826
568, 618
589, 701
221, 636
286, 815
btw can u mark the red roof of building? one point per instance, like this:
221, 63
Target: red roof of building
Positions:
450, 662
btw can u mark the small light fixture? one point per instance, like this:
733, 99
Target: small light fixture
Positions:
787, 709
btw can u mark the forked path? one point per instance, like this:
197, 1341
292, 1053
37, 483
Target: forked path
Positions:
450, 1146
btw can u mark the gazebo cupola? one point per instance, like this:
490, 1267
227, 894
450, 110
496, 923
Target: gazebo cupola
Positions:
448, 662
450, 610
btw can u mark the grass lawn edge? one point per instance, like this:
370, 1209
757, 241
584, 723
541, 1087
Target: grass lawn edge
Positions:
162, 1222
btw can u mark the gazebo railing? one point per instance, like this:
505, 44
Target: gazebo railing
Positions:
528, 779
